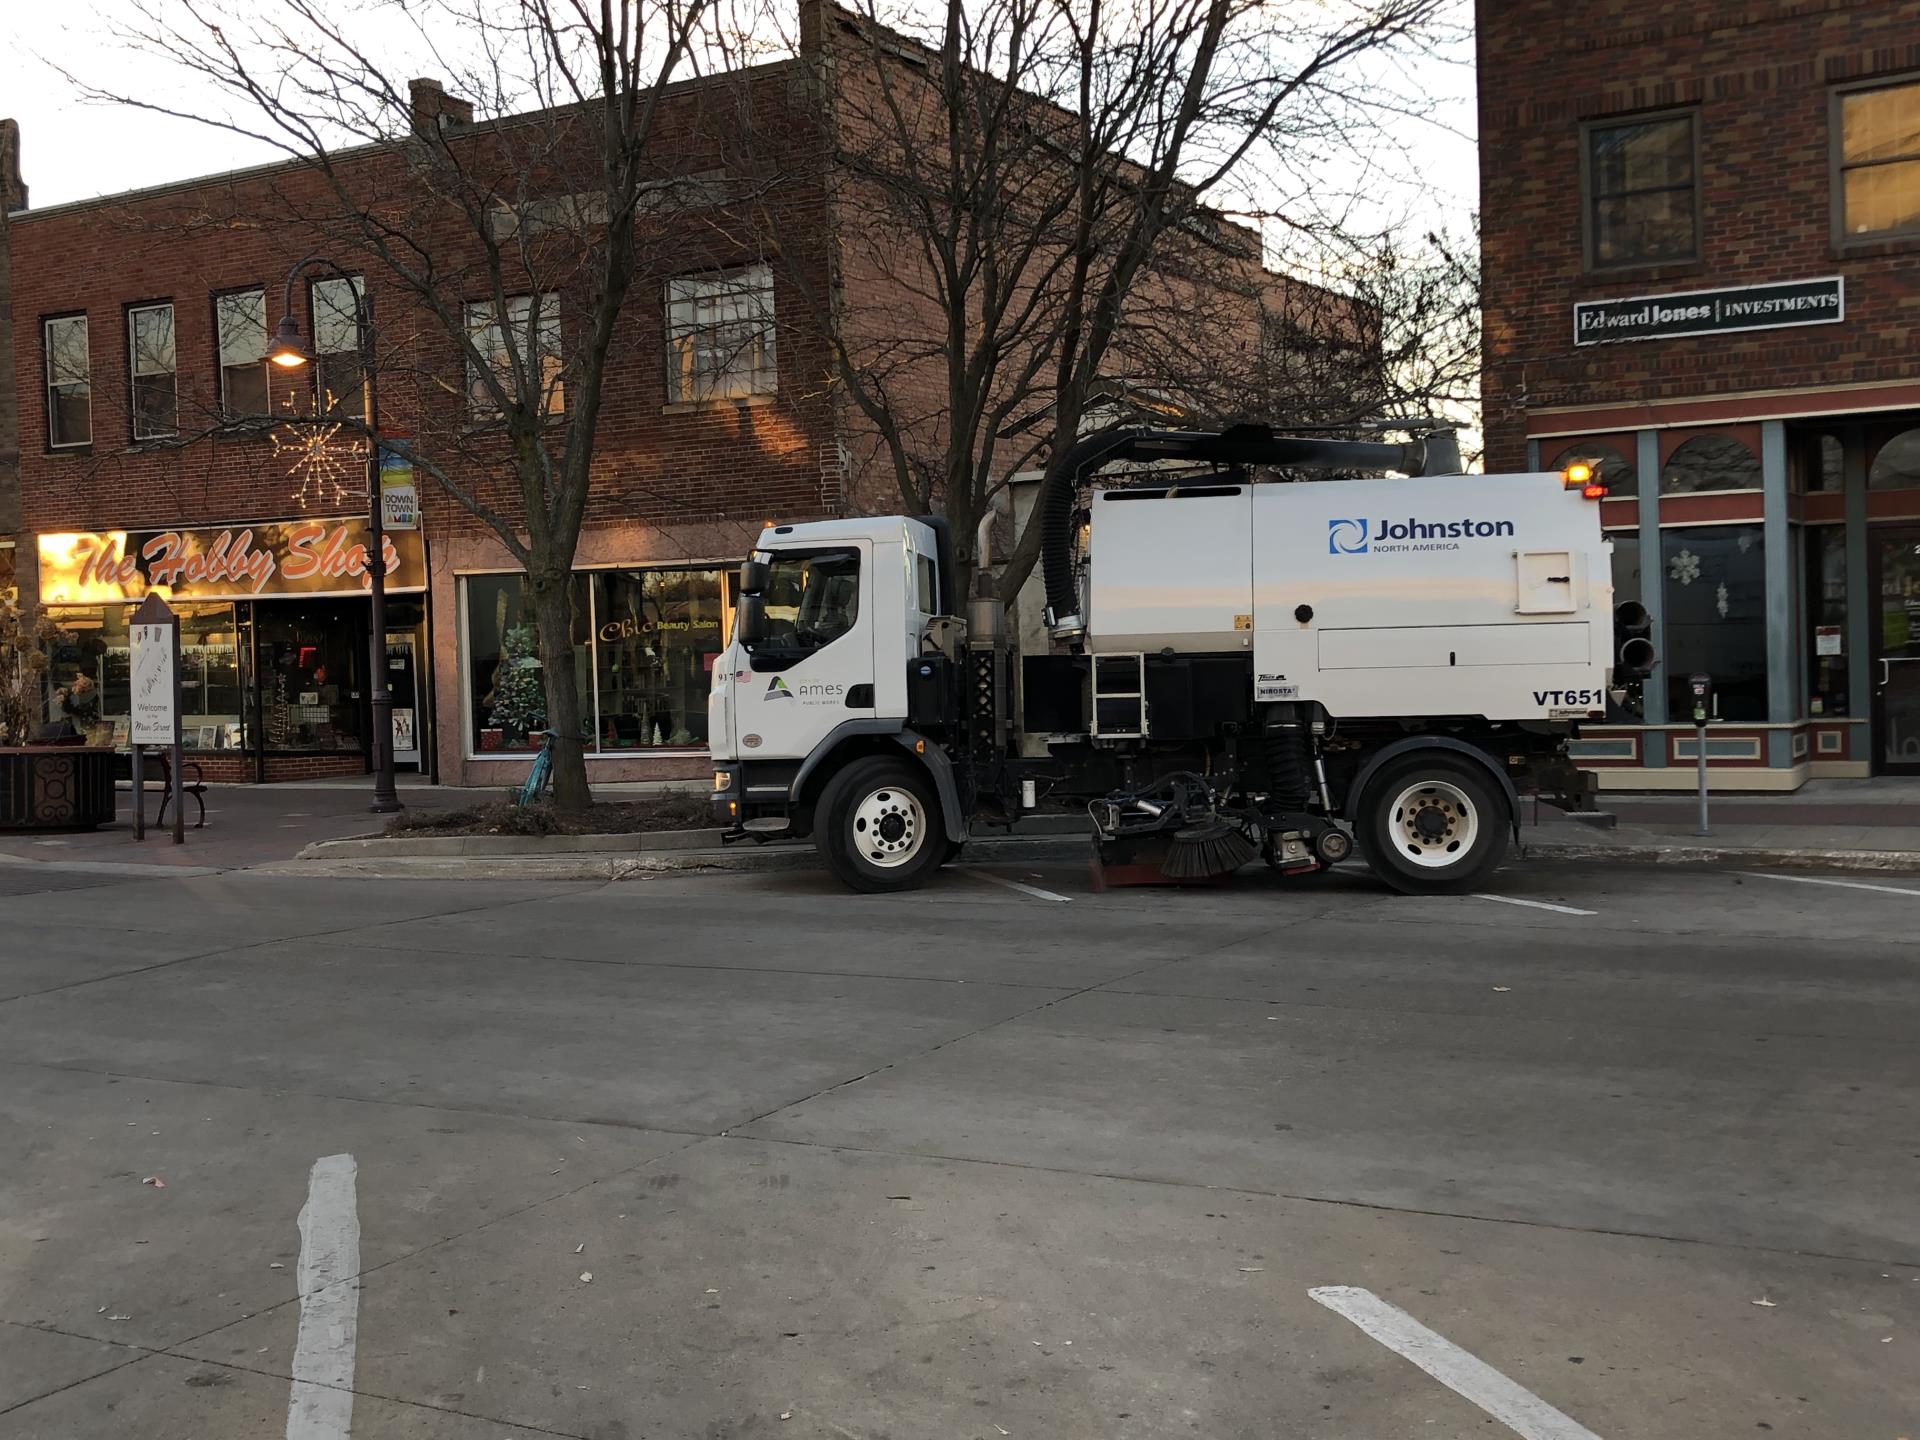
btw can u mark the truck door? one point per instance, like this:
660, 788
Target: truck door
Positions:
815, 667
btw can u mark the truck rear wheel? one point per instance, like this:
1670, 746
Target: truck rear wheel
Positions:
1432, 825
879, 826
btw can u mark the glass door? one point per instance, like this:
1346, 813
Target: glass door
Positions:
403, 682
1896, 657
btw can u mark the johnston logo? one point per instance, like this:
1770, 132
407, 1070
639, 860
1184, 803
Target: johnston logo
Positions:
777, 689
1346, 537
1363, 537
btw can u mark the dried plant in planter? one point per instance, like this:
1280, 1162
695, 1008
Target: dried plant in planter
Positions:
26, 633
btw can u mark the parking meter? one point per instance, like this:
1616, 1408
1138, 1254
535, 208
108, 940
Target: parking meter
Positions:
1700, 689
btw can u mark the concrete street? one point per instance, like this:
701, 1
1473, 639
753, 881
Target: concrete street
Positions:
982, 1161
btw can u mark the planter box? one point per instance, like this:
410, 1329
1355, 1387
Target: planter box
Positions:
65, 787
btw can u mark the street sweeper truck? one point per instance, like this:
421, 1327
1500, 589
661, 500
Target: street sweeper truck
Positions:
1236, 661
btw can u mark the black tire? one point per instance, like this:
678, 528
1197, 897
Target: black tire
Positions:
900, 852
1432, 824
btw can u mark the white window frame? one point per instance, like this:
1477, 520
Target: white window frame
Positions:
46, 352
484, 330
135, 374
707, 304
221, 303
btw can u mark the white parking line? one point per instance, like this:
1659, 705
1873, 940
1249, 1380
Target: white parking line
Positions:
1521, 1411
1842, 884
1033, 890
1535, 904
321, 1404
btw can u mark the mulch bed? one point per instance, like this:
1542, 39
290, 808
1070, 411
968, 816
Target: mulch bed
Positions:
503, 817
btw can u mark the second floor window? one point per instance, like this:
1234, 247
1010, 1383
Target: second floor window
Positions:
241, 320
69, 383
1642, 192
156, 399
500, 346
1877, 158
337, 371
720, 335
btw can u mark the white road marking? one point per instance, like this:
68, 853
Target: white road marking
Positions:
1842, 884
1535, 904
321, 1404
1034, 890
1521, 1411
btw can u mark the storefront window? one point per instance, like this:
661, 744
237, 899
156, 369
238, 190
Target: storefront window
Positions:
1608, 463
1714, 580
1826, 579
644, 643
656, 636
90, 670
8, 589
1710, 462
1897, 466
507, 694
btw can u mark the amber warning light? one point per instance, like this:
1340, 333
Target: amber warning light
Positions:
1579, 476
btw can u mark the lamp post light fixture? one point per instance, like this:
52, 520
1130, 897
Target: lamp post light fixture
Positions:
290, 352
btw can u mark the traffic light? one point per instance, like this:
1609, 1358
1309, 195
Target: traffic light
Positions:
1633, 653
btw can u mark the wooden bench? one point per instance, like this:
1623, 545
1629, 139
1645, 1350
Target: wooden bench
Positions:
196, 788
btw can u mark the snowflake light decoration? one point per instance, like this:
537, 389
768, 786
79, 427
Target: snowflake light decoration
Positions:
1684, 567
316, 457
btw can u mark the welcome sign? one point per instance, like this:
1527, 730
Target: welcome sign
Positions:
1710, 312
233, 562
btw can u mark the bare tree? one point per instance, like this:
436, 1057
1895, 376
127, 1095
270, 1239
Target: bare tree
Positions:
1384, 330
509, 218
1023, 196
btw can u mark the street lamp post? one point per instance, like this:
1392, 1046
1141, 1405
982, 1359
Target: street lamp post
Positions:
289, 351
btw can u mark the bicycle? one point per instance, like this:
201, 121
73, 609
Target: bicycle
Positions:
539, 784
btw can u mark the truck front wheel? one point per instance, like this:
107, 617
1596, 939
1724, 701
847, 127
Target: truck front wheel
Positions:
1432, 825
879, 826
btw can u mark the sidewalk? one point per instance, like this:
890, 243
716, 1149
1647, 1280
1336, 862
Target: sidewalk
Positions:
246, 825
1865, 824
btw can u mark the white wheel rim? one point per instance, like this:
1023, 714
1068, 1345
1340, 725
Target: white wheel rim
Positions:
1433, 824
889, 827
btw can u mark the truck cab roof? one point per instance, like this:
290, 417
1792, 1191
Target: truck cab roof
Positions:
811, 532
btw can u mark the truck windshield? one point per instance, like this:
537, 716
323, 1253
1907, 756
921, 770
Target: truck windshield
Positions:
813, 598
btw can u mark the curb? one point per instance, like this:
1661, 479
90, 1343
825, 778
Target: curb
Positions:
590, 857
1651, 854
638, 843
626, 865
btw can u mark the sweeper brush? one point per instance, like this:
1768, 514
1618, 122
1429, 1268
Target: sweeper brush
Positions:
1207, 848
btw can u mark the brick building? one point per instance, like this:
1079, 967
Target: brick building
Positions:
161, 450
1702, 274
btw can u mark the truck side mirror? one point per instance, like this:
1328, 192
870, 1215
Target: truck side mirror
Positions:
750, 618
753, 577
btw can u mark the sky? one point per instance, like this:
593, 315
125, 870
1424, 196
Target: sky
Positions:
1425, 167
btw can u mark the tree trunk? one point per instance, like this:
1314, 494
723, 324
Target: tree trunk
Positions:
553, 618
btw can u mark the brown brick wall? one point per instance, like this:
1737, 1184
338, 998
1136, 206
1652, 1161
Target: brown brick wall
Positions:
1759, 75
655, 464
234, 768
